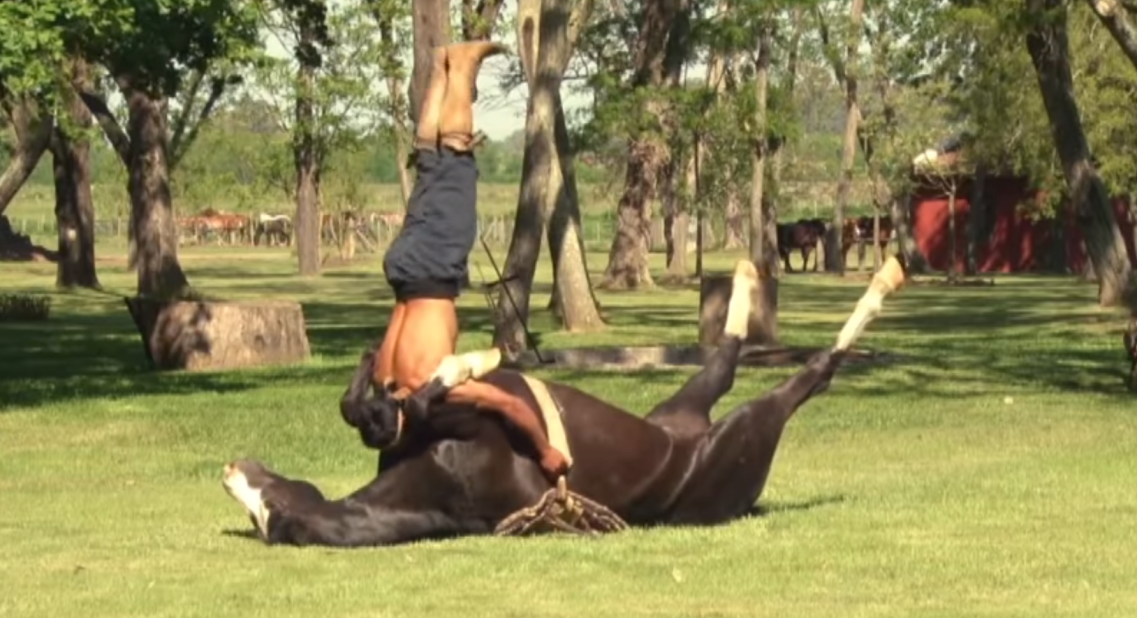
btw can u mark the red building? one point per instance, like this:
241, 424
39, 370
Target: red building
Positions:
1014, 238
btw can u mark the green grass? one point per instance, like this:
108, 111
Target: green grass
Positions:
989, 473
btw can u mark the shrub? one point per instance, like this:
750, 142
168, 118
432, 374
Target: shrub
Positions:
23, 307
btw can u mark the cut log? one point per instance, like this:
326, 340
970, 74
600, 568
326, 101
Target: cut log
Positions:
207, 336
714, 301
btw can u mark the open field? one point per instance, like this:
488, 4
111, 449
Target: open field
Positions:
988, 473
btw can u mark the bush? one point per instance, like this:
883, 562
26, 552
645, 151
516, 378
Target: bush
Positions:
24, 307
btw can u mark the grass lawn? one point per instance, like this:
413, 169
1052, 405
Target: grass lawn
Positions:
988, 473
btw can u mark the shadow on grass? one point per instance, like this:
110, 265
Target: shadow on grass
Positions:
76, 357
764, 508
1030, 331
248, 534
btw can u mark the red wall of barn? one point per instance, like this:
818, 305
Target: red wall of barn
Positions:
1015, 243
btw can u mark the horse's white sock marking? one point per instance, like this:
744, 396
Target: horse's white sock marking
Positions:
888, 280
237, 484
738, 310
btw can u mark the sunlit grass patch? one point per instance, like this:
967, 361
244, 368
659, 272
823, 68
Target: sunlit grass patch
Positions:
986, 472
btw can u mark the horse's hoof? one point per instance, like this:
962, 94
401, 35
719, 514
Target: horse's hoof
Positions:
452, 371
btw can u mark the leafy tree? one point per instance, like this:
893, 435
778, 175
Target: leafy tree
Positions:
1047, 42
146, 48
329, 86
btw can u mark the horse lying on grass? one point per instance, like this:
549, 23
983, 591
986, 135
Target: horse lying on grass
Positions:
457, 471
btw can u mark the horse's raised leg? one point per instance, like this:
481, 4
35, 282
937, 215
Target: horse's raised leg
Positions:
292, 512
734, 462
688, 411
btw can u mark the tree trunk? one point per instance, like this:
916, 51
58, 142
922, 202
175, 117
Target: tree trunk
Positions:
777, 150
678, 244
393, 67
74, 207
733, 236
153, 231
914, 260
669, 203
763, 220
431, 28
304, 154
543, 29
976, 219
512, 308
952, 243
647, 154
675, 172
628, 257
1112, 15
676, 218
401, 153
573, 299
834, 253
1048, 46
33, 134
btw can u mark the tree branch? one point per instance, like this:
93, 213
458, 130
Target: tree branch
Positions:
181, 121
33, 134
826, 48
181, 142
109, 124
1113, 16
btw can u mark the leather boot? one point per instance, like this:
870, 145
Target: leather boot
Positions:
456, 125
426, 134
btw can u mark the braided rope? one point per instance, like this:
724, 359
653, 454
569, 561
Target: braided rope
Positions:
561, 510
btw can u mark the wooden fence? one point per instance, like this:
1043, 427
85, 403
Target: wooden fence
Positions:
374, 233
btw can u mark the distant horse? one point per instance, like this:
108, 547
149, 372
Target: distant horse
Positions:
859, 231
222, 226
803, 235
274, 229
457, 471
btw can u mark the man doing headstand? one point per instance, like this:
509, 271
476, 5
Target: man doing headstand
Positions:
428, 260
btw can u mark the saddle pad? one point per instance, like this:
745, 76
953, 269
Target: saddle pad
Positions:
552, 413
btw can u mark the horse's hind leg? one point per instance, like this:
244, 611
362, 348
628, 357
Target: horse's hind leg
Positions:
688, 411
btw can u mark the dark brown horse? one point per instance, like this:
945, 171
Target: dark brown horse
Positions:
455, 471
803, 235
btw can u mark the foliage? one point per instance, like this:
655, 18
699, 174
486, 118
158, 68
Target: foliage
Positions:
24, 307
1107, 88
349, 105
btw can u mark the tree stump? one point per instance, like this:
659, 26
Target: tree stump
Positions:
714, 300
202, 336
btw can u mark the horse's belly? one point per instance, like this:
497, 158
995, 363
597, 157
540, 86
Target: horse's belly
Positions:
639, 485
